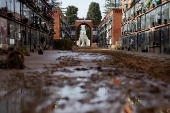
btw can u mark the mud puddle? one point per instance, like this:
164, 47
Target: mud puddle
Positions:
84, 83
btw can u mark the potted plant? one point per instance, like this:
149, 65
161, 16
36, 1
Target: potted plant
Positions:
147, 4
124, 19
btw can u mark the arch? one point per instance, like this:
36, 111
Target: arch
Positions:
89, 23
91, 36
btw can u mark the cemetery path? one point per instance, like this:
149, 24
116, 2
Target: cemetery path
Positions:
86, 81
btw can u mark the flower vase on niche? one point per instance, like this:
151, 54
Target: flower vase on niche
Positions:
158, 1
148, 6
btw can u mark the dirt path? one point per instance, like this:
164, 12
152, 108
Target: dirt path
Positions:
86, 81
155, 67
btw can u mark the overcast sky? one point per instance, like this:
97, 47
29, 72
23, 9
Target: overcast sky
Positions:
83, 6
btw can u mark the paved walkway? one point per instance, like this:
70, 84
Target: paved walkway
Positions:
144, 54
34, 62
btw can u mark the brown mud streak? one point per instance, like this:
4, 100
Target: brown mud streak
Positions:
159, 69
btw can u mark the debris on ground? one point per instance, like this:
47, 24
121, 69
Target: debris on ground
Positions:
88, 82
24, 51
15, 59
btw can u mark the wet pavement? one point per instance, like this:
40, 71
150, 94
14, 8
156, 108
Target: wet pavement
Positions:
81, 82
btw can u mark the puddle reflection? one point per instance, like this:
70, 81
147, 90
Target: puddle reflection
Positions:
86, 88
72, 98
22, 100
135, 104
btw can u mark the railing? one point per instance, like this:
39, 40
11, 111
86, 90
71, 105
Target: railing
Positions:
44, 13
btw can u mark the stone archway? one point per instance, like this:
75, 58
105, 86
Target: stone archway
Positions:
89, 23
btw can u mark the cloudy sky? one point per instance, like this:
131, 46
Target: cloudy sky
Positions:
83, 6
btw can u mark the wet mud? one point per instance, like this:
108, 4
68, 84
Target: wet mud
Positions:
90, 81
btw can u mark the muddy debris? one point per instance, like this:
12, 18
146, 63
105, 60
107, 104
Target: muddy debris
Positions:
104, 83
14, 62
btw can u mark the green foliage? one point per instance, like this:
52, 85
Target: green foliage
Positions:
62, 44
88, 32
78, 32
147, 4
110, 4
71, 14
62, 48
95, 13
24, 51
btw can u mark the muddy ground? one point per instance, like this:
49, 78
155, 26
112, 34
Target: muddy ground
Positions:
156, 67
87, 81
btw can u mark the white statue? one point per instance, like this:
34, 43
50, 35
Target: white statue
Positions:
83, 30
83, 39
